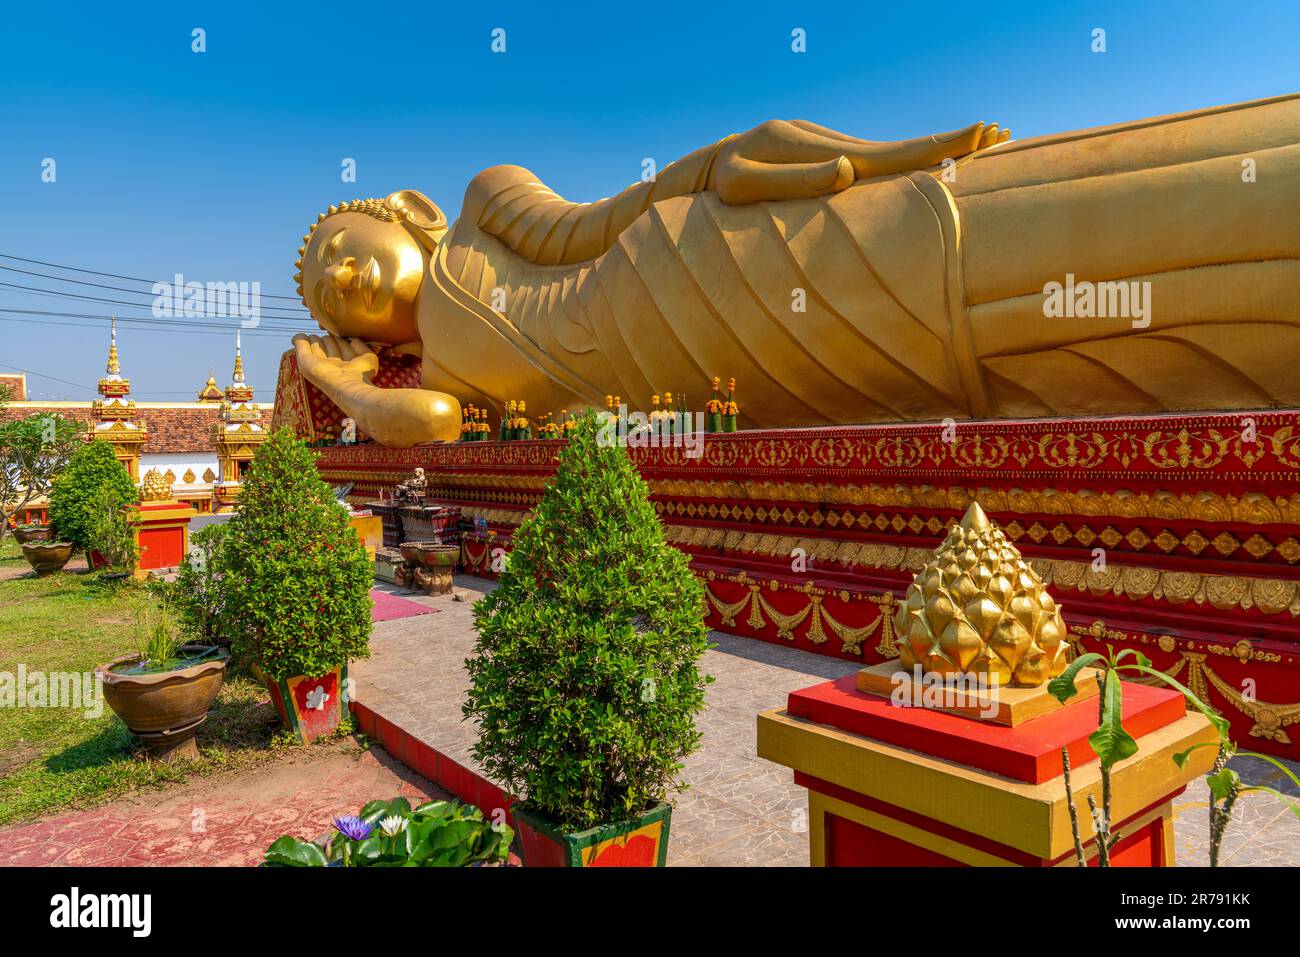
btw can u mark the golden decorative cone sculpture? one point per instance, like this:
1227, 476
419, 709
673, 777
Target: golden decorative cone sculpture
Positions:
155, 487
978, 608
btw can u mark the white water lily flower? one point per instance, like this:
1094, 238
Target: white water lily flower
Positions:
392, 825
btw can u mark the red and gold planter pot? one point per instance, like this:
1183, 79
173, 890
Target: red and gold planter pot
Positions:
640, 842
310, 707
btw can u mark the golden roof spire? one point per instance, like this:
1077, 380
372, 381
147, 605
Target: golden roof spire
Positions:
211, 392
239, 391
239, 362
112, 368
977, 607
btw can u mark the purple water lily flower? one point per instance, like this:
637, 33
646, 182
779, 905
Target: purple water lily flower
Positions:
352, 828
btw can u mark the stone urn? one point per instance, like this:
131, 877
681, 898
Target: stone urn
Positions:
47, 557
437, 568
165, 708
33, 533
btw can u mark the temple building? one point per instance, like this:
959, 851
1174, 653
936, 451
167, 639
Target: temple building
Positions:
201, 447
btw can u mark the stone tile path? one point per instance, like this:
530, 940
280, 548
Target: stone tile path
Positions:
217, 821
739, 809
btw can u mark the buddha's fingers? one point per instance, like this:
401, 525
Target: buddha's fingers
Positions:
880, 159
743, 180
331, 346
990, 137
826, 133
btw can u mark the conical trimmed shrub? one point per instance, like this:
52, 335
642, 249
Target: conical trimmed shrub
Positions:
585, 682
297, 576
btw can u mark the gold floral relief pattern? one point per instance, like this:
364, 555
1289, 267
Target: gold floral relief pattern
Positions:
761, 612
1260, 443
1271, 596
1270, 719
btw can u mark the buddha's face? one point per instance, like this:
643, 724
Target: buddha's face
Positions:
360, 277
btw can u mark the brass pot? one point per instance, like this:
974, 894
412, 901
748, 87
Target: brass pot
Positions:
47, 557
33, 533
439, 556
164, 709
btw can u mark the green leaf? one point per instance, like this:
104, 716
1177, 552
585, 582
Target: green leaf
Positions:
1219, 722
1110, 741
1223, 783
1062, 686
1181, 757
289, 851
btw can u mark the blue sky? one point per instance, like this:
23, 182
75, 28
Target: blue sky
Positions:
212, 164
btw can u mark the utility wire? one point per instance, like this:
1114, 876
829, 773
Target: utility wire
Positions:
100, 285
36, 290
110, 275
150, 321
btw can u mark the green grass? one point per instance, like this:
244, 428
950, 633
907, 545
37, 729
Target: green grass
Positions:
59, 759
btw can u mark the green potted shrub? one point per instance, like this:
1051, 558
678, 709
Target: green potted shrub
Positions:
76, 498
391, 834
584, 679
199, 594
111, 537
297, 583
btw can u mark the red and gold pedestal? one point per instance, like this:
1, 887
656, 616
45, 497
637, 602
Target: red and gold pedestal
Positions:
892, 786
162, 534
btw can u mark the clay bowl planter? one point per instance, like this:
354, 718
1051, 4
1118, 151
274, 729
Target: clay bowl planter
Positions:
639, 842
33, 533
47, 557
165, 708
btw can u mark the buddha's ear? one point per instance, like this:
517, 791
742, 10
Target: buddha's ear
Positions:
421, 212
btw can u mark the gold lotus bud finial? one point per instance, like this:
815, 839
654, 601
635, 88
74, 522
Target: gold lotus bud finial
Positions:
977, 607
155, 487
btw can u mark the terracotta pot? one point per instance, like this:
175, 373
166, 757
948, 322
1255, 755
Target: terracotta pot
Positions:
47, 557
166, 708
33, 533
639, 842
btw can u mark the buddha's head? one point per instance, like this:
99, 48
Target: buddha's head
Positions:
362, 262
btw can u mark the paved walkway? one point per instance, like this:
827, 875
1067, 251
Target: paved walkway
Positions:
219, 820
739, 809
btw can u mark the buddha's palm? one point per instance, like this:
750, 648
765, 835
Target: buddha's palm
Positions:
343, 370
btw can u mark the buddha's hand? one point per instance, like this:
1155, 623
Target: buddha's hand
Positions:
343, 370
796, 159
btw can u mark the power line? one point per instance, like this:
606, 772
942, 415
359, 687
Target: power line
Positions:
110, 275
100, 285
159, 322
163, 331
36, 290
42, 375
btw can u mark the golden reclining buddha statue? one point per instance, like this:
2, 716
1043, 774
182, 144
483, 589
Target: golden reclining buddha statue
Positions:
839, 280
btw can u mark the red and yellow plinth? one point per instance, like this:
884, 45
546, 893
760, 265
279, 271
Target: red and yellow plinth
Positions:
953, 755
892, 786
161, 525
